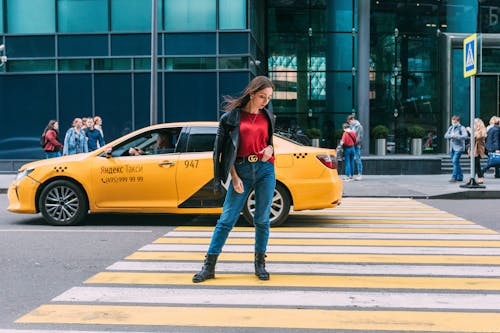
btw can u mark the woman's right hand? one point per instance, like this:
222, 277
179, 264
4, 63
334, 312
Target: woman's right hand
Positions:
237, 184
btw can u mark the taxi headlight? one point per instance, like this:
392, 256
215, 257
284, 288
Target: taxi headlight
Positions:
21, 174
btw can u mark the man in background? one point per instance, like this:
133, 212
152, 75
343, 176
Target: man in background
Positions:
356, 126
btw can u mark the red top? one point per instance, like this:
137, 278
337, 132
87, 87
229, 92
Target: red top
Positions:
349, 139
51, 141
254, 134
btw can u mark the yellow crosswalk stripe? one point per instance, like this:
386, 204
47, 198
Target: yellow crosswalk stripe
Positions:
310, 281
334, 242
325, 257
398, 321
307, 218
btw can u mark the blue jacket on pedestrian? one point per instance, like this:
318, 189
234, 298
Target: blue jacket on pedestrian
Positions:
493, 139
94, 136
457, 135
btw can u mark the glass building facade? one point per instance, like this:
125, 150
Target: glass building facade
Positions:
77, 58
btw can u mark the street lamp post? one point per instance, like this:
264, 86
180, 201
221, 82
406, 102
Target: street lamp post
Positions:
153, 103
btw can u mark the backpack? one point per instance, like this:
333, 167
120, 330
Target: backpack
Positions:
43, 142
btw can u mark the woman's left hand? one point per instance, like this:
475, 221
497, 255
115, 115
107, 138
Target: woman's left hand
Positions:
267, 153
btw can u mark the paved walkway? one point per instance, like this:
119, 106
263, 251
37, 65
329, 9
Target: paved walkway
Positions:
404, 186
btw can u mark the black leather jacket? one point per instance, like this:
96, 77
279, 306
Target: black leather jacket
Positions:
227, 141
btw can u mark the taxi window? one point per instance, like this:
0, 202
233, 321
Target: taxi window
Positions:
162, 141
201, 139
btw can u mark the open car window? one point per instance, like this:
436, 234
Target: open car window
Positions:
161, 141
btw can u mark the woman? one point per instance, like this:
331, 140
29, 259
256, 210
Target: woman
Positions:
98, 125
75, 141
244, 148
479, 147
348, 142
493, 143
53, 146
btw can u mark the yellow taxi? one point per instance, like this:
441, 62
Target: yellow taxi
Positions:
133, 175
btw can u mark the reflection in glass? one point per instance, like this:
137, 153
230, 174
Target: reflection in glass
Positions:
1, 16
190, 15
31, 65
190, 63
31, 16
112, 64
233, 62
82, 15
69, 65
142, 64
132, 15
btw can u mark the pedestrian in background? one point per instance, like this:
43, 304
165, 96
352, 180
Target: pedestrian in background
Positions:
493, 143
98, 125
457, 134
75, 141
94, 137
356, 126
244, 148
53, 147
479, 147
348, 143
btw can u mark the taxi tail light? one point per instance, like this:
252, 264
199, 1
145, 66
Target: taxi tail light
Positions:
330, 161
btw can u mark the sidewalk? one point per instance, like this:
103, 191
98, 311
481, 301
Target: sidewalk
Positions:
400, 186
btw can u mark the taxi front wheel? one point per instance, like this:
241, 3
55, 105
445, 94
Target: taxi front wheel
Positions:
63, 203
280, 207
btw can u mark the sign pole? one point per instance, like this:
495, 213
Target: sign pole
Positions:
470, 70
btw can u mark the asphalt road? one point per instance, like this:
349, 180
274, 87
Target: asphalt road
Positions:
39, 262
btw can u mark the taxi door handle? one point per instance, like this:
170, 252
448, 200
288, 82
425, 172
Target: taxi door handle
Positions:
167, 163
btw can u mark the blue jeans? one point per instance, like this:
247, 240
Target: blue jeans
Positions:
357, 158
488, 166
349, 161
261, 177
457, 169
51, 154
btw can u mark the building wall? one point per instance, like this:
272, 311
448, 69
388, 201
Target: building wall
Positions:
70, 59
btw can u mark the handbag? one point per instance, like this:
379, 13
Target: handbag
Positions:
494, 159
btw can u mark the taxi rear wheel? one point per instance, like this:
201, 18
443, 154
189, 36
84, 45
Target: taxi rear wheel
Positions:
63, 203
280, 206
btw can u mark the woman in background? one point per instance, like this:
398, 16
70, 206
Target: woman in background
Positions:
75, 141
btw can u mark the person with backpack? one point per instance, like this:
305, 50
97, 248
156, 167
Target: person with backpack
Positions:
50, 140
348, 143
457, 134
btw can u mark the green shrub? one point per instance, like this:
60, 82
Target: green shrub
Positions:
313, 133
416, 132
380, 132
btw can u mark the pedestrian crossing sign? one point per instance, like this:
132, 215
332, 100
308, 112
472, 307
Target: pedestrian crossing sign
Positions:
470, 55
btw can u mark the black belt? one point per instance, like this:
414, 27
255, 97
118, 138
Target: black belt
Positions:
250, 158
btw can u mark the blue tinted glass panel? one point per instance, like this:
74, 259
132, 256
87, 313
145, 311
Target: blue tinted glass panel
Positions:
141, 64
33, 97
130, 15
31, 65
113, 103
179, 91
236, 43
141, 100
232, 84
1, 15
232, 14
339, 53
131, 45
75, 98
233, 62
190, 63
31, 16
112, 64
80, 46
68, 65
30, 46
82, 15
190, 15
176, 44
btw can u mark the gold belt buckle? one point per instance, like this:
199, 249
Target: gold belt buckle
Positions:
252, 158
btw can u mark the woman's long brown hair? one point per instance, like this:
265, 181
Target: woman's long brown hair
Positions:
257, 84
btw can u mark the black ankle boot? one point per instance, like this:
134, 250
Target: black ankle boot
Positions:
208, 269
260, 266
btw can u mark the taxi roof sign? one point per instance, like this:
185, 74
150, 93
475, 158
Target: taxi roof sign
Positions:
470, 55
